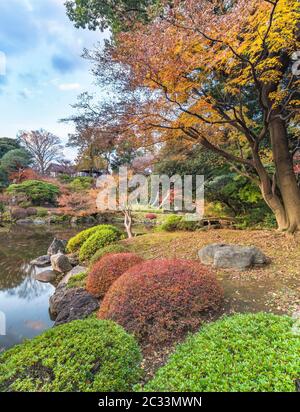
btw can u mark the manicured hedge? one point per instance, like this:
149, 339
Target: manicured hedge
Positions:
241, 353
38, 192
75, 243
81, 356
160, 301
97, 241
104, 272
114, 248
171, 223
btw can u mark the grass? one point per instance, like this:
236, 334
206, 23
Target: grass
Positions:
274, 288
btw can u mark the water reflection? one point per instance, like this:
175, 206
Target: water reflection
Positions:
24, 300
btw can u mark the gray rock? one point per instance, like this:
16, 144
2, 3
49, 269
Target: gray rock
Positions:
24, 222
41, 261
222, 255
71, 304
46, 276
60, 263
39, 222
73, 259
57, 246
75, 271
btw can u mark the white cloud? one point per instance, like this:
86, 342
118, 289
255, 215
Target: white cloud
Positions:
69, 86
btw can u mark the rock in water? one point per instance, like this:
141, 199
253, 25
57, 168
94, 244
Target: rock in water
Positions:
60, 263
57, 246
41, 261
222, 255
46, 276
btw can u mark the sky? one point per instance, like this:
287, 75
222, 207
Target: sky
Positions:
41, 68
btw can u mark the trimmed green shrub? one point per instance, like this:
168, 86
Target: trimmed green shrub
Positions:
41, 212
97, 241
171, 223
241, 353
81, 356
80, 184
114, 248
38, 192
75, 243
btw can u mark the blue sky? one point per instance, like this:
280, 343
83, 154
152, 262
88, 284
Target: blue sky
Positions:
44, 68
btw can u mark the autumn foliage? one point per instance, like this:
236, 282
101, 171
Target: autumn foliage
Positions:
109, 268
161, 300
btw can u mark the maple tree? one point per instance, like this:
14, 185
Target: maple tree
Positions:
218, 73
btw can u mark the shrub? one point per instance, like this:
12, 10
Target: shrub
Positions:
97, 241
75, 243
114, 248
241, 353
161, 300
36, 191
104, 272
80, 184
151, 216
81, 356
171, 223
41, 212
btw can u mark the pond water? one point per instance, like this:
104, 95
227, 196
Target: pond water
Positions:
23, 300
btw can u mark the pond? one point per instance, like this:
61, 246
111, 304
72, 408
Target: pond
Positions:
23, 300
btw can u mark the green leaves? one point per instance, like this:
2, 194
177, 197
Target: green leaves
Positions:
253, 352
84, 356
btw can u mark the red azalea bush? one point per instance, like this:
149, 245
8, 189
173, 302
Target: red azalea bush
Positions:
160, 301
109, 268
151, 216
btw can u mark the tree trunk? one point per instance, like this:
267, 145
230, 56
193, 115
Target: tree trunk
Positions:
286, 178
128, 223
268, 190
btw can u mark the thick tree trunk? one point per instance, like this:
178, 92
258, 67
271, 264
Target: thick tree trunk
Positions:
285, 175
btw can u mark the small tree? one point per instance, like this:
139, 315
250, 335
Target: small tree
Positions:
44, 147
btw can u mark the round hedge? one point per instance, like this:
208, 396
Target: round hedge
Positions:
114, 248
241, 353
97, 241
81, 356
161, 300
104, 272
77, 241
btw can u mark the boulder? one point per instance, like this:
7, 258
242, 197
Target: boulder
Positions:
24, 222
39, 222
60, 263
41, 261
46, 276
222, 255
73, 259
70, 304
57, 246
